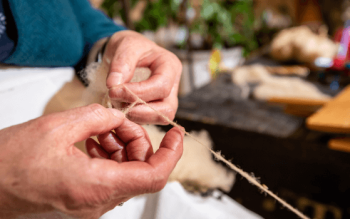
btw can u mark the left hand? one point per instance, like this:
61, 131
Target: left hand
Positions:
42, 171
127, 50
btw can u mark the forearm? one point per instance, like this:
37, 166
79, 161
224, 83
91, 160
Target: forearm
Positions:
94, 24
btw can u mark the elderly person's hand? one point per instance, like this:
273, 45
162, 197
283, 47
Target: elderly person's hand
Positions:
41, 170
127, 50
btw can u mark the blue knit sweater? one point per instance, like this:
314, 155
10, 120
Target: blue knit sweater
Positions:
56, 32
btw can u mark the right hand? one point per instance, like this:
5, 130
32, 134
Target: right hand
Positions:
41, 170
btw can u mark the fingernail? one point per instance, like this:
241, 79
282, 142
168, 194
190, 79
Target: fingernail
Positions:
116, 112
116, 77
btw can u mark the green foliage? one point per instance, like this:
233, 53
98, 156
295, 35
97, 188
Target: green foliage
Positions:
157, 14
111, 7
222, 23
227, 23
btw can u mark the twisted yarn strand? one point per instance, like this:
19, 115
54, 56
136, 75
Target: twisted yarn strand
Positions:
218, 156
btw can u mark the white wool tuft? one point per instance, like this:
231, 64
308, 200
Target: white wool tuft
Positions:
273, 86
196, 164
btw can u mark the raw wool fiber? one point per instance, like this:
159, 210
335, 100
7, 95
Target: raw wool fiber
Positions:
301, 44
273, 86
196, 170
204, 172
252, 179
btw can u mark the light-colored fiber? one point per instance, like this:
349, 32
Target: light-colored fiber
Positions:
301, 44
196, 170
218, 156
269, 86
98, 75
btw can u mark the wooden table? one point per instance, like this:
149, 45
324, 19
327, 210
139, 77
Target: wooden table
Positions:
334, 116
291, 160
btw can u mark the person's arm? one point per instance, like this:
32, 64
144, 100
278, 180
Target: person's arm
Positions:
42, 171
125, 51
56, 33
94, 24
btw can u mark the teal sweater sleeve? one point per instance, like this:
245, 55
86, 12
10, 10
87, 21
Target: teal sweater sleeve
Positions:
93, 23
56, 33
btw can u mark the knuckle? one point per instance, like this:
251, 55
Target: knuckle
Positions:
175, 60
169, 112
128, 40
178, 64
120, 94
98, 111
139, 133
71, 199
158, 183
165, 87
42, 124
45, 124
76, 198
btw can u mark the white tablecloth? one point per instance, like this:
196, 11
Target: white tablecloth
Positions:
174, 202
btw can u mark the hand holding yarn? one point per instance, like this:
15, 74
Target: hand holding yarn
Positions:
127, 50
42, 171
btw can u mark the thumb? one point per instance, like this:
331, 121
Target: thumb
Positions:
122, 66
126, 52
152, 175
80, 123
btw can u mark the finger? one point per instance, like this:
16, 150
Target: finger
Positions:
169, 152
95, 150
146, 177
113, 146
80, 123
143, 114
130, 48
161, 164
166, 71
138, 144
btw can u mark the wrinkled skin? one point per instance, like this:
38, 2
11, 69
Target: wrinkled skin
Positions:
127, 50
42, 171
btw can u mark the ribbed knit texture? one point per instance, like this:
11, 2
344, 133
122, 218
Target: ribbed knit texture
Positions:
55, 32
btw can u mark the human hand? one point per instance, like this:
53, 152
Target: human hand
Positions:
127, 50
41, 170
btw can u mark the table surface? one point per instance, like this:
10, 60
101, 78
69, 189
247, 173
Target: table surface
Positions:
334, 116
219, 103
291, 160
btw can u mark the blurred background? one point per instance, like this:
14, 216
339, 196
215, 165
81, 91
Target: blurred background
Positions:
268, 79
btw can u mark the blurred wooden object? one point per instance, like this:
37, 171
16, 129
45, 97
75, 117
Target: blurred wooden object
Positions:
298, 101
309, 11
127, 8
298, 106
288, 70
340, 144
334, 116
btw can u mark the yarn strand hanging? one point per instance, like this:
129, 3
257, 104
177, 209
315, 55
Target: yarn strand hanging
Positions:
217, 155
